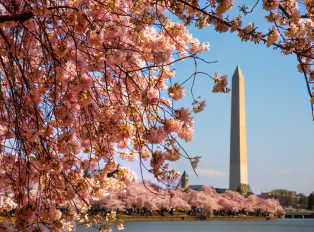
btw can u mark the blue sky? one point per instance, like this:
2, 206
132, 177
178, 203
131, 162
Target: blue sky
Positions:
279, 124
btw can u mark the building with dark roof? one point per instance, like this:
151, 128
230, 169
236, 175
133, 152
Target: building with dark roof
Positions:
195, 187
185, 184
198, 187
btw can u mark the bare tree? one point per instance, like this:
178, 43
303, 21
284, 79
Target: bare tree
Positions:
284, 196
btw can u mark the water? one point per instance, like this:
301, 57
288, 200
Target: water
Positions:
281, 225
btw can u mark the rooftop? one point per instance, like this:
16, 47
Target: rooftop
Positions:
198, 187
184, 174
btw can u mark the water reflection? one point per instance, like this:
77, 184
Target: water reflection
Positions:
281, 225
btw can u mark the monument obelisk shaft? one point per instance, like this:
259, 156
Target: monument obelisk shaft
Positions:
238, 163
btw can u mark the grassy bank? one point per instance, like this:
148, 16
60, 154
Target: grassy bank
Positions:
178, 217
184, 217
188, 218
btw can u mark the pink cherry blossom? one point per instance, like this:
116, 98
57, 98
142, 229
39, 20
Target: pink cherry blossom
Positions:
176, 92
271, 4
200, 107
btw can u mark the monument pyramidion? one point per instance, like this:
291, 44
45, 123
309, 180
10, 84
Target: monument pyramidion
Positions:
238, 161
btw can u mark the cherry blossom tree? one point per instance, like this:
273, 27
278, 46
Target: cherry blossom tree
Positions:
236, 198
178, 203
113, 203
81, 83
210, 191
249, 203
226, 204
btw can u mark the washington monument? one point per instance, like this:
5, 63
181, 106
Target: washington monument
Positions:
238, 164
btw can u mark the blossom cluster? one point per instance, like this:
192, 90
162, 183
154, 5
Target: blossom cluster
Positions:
221, 83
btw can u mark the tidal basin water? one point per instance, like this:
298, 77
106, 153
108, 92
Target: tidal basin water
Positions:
281, 225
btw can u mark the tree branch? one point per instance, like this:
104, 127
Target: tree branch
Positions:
15, 5
27, 15
5, 37
284, 11
205, 12
17, 17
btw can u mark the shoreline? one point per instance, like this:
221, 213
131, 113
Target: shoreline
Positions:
188, 218
126, 218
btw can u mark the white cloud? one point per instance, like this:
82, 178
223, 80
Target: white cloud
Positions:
285, 171
209, 163
210, 172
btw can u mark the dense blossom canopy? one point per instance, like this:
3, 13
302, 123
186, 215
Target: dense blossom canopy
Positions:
142, 196
82, 82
